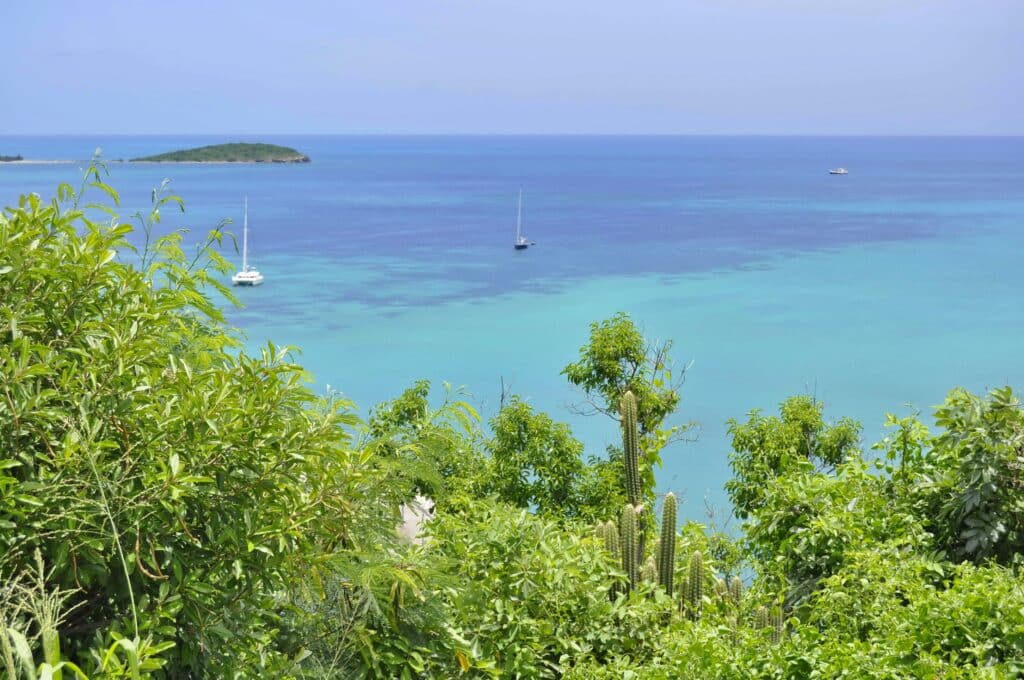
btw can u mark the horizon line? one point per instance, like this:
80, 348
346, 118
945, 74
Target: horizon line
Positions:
523, 134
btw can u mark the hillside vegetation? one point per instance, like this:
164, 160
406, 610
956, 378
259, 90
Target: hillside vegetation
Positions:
174, 507
230, 153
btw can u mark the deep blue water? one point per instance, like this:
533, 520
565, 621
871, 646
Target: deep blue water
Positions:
389, 259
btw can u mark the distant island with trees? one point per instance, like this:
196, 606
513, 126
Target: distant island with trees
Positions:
229, 153
236, 152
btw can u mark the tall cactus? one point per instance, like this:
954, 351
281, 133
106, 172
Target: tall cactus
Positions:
667, 544
735, 590
695, 585
631, 447
778, 625
628, 539
608, 533
761, 618
650, 572
611, 539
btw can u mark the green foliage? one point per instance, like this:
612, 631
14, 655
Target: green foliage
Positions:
31, 614
667, 545
409, 410
811, 521
238, 152
419, 449
380, 615
766, 447
982, 495
599, 487
965, 484
905, 452
920, 615
170, 482
617, 359
173, 507
533, 598
536, 462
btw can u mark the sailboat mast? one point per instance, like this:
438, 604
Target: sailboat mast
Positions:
519, 217
245, 237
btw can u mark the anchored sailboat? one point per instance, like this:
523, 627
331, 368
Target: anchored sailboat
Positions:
249, 276
521, 242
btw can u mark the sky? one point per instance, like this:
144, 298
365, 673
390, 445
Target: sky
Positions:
929, 67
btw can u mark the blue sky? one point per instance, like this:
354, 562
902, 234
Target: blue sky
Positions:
505, 66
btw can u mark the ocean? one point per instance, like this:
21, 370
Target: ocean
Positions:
389, 259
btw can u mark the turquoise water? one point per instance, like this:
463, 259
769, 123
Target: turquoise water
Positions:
390, 259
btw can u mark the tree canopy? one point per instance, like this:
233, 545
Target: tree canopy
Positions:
172, 506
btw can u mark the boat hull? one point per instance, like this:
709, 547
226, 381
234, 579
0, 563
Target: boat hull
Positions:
244, 280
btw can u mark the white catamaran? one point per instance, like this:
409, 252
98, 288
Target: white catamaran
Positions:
521, 242
249, 276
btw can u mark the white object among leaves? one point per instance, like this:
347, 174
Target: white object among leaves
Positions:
414, 515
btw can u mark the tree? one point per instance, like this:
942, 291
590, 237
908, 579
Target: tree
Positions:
617, 358
168, 481
537, 463
434, 450
967, 483
766, 447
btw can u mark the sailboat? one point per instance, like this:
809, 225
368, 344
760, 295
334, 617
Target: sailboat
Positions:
521, 242
248, 276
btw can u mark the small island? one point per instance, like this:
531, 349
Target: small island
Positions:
10, 159
229, 153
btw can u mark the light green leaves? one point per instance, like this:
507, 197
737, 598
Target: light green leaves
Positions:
169, 478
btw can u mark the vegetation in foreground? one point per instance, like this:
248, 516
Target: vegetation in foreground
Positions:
237, 152
171, 507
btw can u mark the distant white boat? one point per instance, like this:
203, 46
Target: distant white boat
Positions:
521, 242
249, 276
839, 171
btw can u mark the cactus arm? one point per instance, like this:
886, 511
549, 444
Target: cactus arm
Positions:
667, 544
